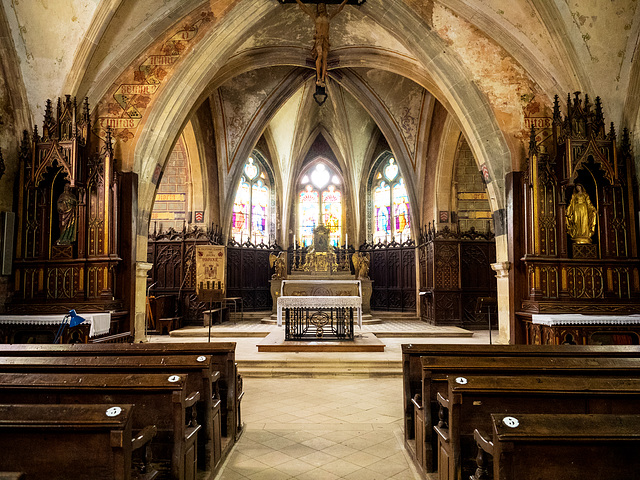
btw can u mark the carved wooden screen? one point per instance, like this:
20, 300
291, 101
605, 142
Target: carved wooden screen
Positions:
248, 274
393, 271
172, 254
173, 273
457, 271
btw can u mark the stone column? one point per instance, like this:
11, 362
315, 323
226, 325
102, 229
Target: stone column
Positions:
139, 331
504, 314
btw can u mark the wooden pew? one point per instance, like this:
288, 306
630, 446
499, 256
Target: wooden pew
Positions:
412, 367
560, 446
471, 401
12, 476
159, 399
222, 358
197, 369
83, 442
420, 397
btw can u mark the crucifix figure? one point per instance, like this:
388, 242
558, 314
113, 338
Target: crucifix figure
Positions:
321, 37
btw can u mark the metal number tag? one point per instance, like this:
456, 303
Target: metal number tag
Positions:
461, 381
511, 422
174, 378
201, 358
113, 411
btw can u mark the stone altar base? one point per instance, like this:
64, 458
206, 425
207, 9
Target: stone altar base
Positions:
364, 342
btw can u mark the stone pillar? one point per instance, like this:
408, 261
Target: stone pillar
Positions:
504, 313
139, 330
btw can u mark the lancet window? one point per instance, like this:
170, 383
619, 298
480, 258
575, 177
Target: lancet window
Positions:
391, 213
320, 194
252, 206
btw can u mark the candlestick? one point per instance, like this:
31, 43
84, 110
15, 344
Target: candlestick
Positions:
347, 239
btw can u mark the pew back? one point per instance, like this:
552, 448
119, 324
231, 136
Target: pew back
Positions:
222, 357
436, 369
197, 370
58, 442
471, 401
566, 447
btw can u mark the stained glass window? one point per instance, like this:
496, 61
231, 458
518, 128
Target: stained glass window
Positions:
391, 211
320, 193
251, 207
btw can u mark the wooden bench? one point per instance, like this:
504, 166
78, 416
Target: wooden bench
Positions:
12, 476
197, 369
412, 366
222, 356
83, 442
471, 401
161, 400
412, 373
559, 446
435, 371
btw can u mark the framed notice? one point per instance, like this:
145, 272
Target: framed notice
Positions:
211, 265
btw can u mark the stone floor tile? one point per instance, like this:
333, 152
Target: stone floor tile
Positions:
318, 459
270, 474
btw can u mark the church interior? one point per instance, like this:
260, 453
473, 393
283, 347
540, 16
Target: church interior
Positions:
359, 239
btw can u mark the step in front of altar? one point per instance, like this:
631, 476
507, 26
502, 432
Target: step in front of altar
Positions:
363, 342
318, 368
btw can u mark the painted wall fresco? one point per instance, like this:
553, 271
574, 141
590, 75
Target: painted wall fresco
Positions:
506, 84
124, 107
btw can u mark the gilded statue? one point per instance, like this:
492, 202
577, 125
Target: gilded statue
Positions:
279, 264
67, 207
361, 265
581, 216
320, 50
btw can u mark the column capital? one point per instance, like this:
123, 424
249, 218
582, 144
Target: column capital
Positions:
501, 269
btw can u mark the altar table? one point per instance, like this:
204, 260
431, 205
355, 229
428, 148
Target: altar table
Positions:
573, 328
100, 322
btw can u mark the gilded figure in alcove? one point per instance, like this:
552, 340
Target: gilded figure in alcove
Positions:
581, 216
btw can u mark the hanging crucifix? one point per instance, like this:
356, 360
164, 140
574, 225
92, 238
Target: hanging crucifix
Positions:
320, 51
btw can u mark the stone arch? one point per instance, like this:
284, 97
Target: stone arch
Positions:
443, 195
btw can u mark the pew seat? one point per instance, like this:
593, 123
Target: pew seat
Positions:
160, 400
83, 442
412, 375
471, 401
559, 446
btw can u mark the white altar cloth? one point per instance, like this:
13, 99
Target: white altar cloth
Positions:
579, 319
100, 322
320, 302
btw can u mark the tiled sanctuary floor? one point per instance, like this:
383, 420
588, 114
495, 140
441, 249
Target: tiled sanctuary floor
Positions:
321, 428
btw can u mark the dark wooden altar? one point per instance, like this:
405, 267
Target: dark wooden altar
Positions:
67, 249
455, 270
567, 273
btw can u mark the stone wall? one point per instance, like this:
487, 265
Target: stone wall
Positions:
473, 203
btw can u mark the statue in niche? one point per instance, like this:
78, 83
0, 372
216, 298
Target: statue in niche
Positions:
279, 264
581, 216
320, 49
361, 265
67, 207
